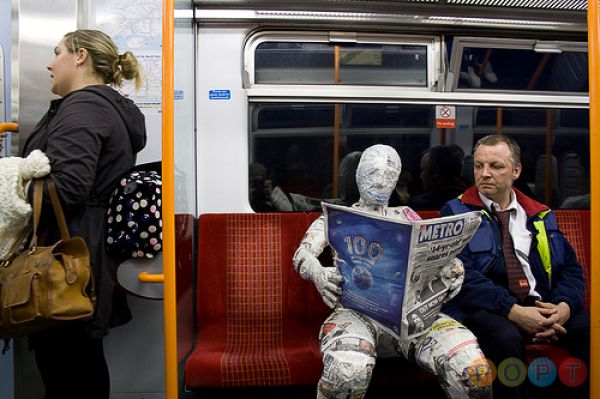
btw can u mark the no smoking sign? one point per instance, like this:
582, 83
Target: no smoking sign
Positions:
445, 116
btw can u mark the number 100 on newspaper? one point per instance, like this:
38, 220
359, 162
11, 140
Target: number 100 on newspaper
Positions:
392, 268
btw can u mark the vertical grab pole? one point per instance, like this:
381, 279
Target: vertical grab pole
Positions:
594, 89
548, 175
336, 125
499, 121
168, 201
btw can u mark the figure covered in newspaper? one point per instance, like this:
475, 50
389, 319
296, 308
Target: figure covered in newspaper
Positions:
350, 341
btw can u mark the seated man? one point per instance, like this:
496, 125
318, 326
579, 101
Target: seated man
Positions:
351, 341
522, 280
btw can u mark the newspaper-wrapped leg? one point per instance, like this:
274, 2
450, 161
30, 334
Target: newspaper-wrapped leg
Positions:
454, 274
348, 348
451, 351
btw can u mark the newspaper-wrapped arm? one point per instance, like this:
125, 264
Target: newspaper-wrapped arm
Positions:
306, 262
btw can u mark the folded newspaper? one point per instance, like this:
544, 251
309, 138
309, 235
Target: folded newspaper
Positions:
392, 268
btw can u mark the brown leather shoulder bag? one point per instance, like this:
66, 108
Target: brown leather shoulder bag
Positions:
44, 286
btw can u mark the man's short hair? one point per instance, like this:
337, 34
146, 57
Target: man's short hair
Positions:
493, 139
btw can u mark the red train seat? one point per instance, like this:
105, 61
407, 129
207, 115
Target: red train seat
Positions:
258, 320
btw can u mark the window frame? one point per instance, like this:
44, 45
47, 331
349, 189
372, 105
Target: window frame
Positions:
440, 93
433, 44
346, 129
459, 43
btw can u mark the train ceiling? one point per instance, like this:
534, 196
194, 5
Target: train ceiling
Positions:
370, 5
557, 17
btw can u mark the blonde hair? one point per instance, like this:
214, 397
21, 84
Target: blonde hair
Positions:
104, 56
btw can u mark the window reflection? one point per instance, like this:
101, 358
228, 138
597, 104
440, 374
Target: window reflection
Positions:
293, 154
523, 69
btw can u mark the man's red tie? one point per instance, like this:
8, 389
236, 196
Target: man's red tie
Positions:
517, 281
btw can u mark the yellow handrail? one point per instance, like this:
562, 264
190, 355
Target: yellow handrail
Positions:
594, 82
9, 127
168, 201
151, 278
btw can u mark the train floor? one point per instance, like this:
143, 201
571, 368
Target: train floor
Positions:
413, 390
428, 390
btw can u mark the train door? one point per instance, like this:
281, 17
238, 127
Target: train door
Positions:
134, 26
6, 369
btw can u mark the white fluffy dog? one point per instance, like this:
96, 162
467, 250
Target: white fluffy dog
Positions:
15, 210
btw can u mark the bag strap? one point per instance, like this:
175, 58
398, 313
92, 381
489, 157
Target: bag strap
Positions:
58, 212
38, 192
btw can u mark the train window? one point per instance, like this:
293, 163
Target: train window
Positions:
273, 117
292, 166
519, 65
302, 153
389, 116
342, 58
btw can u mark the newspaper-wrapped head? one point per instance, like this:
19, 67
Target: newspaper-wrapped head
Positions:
377, 174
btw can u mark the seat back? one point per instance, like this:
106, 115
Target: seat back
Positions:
252, 307
575, 225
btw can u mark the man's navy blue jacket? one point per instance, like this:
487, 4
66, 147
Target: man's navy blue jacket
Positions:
558, 274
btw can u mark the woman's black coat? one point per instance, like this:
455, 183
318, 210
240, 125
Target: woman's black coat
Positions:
91, 137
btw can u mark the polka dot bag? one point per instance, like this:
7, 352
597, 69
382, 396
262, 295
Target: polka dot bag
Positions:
133, 219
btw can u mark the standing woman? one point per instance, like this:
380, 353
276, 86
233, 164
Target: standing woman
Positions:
91, 136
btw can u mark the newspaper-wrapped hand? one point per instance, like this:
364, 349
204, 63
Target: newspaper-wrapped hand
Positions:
454, 274
328, 283
326, 279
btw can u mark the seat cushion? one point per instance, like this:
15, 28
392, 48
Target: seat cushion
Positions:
216, 363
